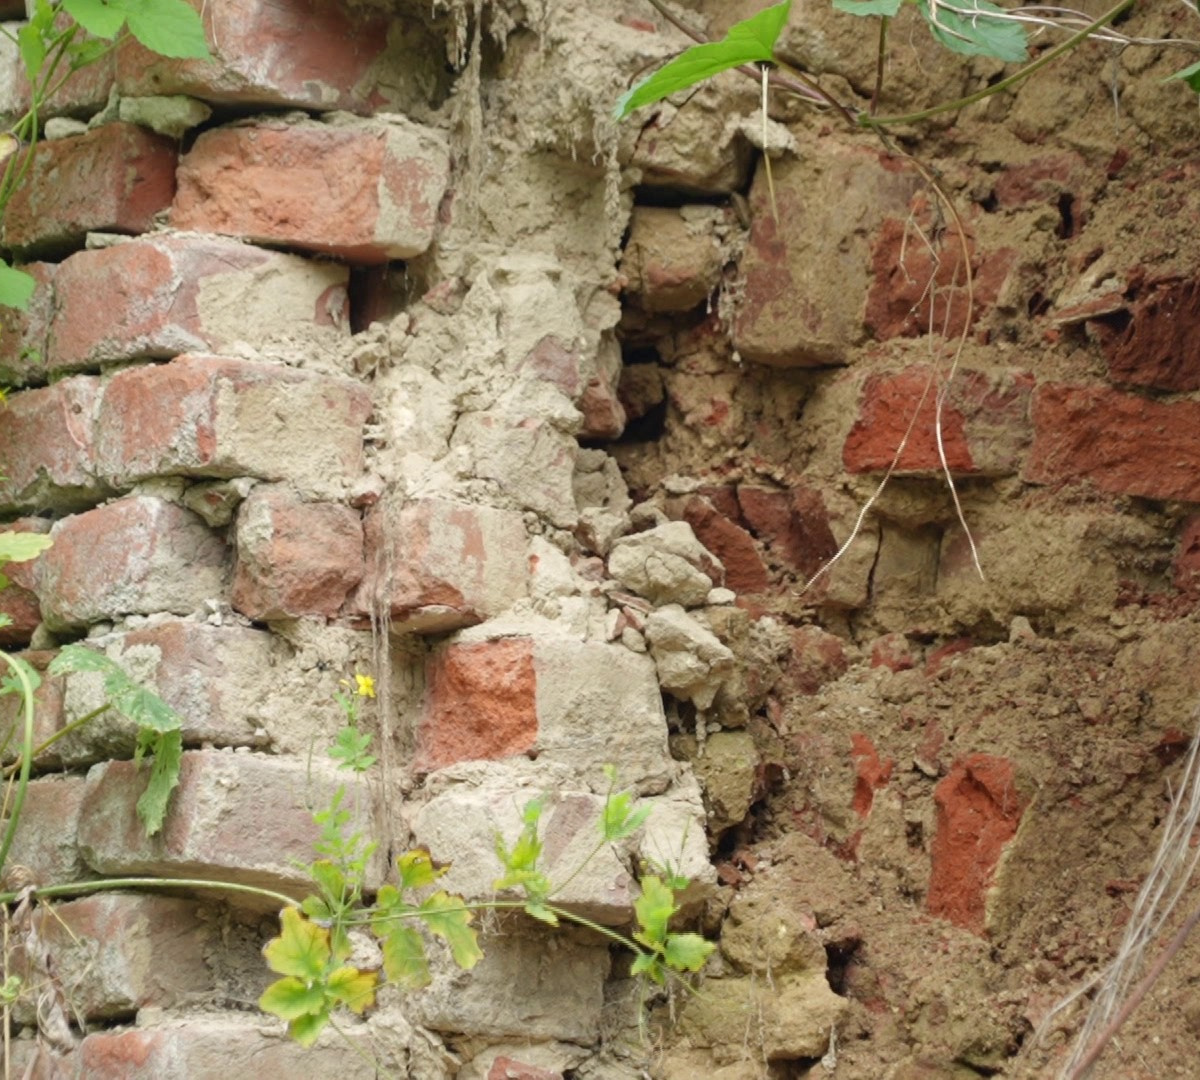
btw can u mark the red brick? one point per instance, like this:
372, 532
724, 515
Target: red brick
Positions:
893, 652
917, 291
436, 565
24, 335
481, 703
1155, 346
366, 191
985, 423
870, 773
217, 417
18, 600
83, 93
295, 558
47, 448
114, 953
160, 296
237, 817
211, 675
114, 178
1187, 562
729, 542
794, 524
978, 811
586, 380
45, 846
312, 54
1041, 180
1122, 443
818, 657
139, 555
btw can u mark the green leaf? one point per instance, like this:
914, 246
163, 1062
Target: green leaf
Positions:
648, 964
330, 880
98, 18
654, 909
350, 749
448, 917
1189, 74
868, 7
618, 821
978, 33
80, 53
32, 47
11, 684
686, 952
164, 778
353, 988
750, 41
316, 908
301, 950
168, 27
305, 1029
539, 911
417, 869
16, 287
290, 998
137, 704
21, 547
404, 961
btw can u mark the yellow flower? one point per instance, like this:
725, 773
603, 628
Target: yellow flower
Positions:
364, 685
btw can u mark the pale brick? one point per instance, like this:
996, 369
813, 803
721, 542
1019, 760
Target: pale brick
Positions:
295, 558
237, 817
436, 565
115, 178
363, 190
18, 600
139, 555
673, 259
113, 953
160, 296
45, 849
47, 447
212, 416
24, 334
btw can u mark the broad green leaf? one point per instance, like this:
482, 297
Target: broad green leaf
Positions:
977, 33
329, 878
686, 952
417, 869
11, 684
353, 988
164, 778
32, 47
748, 42
290, 997
301, 950
446, 916
539, 911
79, 658
618, 821
138, 704
16, 287
868, 7
654, 909
404, 961
305, 1029
349, 749
5, 620
98, 18
80, 53
316, 908
534, 882
648, 964
168, 27
21, 547
1189, 74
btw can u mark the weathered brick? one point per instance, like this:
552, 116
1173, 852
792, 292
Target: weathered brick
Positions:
817, 657
673, 259
211, 675
238, 817
1155, 345
312, 54
804, 284
48, 714
1122, 443
295, 558
794, 524
45, 850
24, 335
47, 447
985, 422
114, 178
978, 810
729, 542
589, 377
363, 190
160, 296
82, 94
554, 698
114, 953
436, 565
18, 600
139, 555
1187, 561
213, 416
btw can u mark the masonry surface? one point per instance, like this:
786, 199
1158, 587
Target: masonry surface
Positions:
359, 351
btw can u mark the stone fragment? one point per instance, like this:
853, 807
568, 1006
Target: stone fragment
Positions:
673, 259
666, 564
726, 764
691, 661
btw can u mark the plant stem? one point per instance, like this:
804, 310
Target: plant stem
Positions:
80, 888
884, 22
14, 817
950, 106
72, 726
